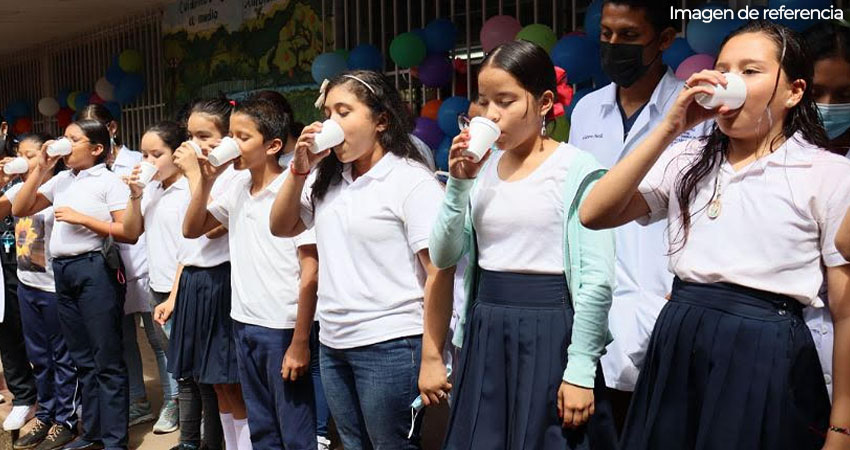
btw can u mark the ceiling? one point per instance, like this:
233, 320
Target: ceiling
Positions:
26, 23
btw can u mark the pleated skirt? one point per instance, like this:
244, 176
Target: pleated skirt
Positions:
729, 368
202, 345
511, 367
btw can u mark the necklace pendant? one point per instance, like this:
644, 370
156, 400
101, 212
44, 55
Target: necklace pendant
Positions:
714, 209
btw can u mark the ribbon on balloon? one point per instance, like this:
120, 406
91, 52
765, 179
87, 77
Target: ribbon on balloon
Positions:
563, 96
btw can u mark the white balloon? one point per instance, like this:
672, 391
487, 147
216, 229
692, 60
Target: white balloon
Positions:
105, 89
48, 106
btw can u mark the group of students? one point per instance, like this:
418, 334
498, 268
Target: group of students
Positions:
744, 207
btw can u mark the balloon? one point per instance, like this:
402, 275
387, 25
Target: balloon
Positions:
131, 61
114, 109
447, 115
130, 87
326, 66
63, 117
81, 100
430, 109
694, 64
365, 57
22, 126
799, 25
707, 37
578, 56
20, 108
104, 89
429, 131
592, 19
114, 74
497, 31
71, 100
678, 52
441, 156
539, 34
407, 50
440, 36
342, 52
62, 98
560, 129
48, 106
436, 71
577, 95
96, 100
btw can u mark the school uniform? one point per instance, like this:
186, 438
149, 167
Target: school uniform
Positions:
53, 368
91, 298
202, 346
518, 342
731, 363
599, 126
266, 283
371, 288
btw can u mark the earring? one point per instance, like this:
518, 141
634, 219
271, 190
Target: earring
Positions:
543, 131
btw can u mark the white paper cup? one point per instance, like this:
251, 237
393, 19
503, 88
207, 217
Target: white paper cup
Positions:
330, 136
16, 166
733, 95
60, 147
197, 148
483, 133
226, 151
146, 173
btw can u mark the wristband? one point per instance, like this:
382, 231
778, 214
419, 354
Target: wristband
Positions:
295, 172
843, 431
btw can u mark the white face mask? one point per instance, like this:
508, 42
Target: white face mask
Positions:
835, 117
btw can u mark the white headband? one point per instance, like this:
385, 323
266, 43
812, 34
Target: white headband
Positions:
324, 87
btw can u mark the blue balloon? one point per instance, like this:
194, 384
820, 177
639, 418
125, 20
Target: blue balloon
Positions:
18, 108
579, 56
678, 52
441, 156
447, 115
440, 36
419, 32
8, 117
81, 100
799, 25
114, 109
131, 86
365, 57
576, 97
62, 97
592, 19
114, 73
707, 37
328, 65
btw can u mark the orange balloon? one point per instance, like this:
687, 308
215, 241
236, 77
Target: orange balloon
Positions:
22, 125
430, 109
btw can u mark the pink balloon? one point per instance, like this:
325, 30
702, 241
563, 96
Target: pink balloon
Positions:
498, 30
694, 64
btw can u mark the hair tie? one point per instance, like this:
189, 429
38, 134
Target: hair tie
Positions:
232, 103
563, 94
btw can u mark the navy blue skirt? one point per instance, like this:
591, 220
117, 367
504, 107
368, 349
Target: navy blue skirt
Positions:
511, 366
202, 345
728, 368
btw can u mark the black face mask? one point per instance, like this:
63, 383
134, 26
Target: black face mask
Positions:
623, 63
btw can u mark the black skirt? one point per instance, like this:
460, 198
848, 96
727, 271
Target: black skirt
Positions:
511, 366
202, 345
728, 368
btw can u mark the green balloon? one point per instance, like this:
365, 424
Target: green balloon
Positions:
539, 34
72, 100
560, 130
343, 52
131, 61
407, 50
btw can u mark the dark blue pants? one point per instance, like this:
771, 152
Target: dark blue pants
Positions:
323, 413
13, 352
281, 415
91, 305
54, 370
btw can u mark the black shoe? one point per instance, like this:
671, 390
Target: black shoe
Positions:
184, 446
34, 437
84, 444
58, 437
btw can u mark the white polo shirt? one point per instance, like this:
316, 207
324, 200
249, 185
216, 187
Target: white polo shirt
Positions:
163, 211
134, 256
32, 244
643, 280
205, 252
95, 192
265, 271
369, 230
777, 224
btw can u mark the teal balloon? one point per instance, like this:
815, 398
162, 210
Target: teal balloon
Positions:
539, 34
365, 57
62, 98
578, 55
114, 74
328, 65
407, 50
447, 115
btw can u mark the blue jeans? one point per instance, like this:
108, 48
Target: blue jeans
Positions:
322, 411
158, 342
281, 414
369, 391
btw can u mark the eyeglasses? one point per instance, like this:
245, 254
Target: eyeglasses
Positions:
463, 121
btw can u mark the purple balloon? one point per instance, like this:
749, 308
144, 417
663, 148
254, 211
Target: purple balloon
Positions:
429, 131
436, 71
694, 64
498, 30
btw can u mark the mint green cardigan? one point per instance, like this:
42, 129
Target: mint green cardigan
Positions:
588, 263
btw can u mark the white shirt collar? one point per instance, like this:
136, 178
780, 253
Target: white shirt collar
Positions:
123, 158
378, 171
92, 171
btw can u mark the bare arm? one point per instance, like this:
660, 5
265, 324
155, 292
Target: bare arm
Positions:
439, 290
838, 283
842, 237
134, 223
296, 361
101, 227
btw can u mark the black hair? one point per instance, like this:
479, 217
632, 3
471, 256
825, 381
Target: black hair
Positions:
528, 63
656, 11
217, 108
101, 114
794, 60
383, 99
828, 40
283, 105
172, 133
38, 138
97, 134
270, 119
